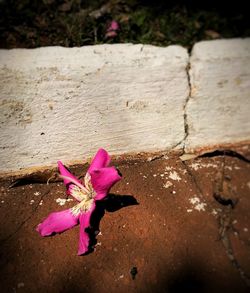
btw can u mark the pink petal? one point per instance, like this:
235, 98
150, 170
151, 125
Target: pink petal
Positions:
84, 219
57, 222
103, 179
111, 34
101, 160
64, 172
114, 26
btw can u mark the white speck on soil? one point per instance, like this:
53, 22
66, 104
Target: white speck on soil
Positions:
127, 183
174, 192
234, 222
41, 202
2, 201
167, 184
248, 184
228, 168
121, 277
189, 210
194, 200
174, 176
37, 193
144, 176
198, 205
123, 226
168, 168
214, 212
197, 166
245, 230
154, 175
20, 285
32, 201
98, 244
62, 201
237, 168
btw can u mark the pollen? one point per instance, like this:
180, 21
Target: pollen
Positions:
86, 196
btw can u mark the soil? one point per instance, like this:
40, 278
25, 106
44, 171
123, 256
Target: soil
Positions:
33, 23
168, 226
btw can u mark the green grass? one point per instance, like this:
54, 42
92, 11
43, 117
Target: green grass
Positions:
30, 24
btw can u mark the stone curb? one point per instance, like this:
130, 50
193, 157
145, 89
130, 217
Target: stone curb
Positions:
65, 103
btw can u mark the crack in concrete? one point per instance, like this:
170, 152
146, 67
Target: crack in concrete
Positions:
4, 240
186, 125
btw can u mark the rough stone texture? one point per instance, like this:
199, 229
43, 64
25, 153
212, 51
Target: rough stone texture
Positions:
219, 106
64, 103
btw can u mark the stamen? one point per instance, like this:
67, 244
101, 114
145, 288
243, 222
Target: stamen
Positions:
75, 182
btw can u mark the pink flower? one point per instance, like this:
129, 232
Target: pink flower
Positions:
97, 183
112, 29
114, 26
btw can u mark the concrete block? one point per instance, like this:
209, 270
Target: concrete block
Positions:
219, 105
65, 103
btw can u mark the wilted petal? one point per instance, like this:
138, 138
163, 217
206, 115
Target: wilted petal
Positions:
101, 160
57, 222
84, 219
103, 179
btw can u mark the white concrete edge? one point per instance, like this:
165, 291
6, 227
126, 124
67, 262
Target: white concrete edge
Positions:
148, 96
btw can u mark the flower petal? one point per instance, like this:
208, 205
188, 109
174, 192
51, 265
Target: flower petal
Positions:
103, 179
57, 222
101, 160
84, 219
70, 186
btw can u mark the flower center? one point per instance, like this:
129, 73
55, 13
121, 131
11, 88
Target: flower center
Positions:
86, 195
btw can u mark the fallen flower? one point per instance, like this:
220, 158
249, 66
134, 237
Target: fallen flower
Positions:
97, 183
112, 29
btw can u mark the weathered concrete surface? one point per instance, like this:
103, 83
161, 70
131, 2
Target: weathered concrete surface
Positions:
178, 237
64, 103
218, 110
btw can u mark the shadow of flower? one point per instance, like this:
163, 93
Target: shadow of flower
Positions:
112, 203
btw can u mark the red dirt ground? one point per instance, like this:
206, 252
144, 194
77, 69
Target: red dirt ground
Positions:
162, 219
